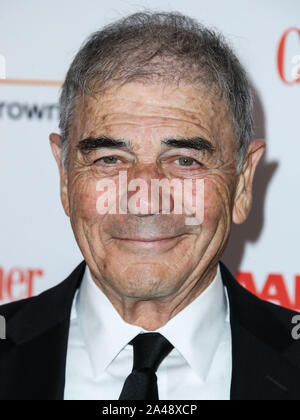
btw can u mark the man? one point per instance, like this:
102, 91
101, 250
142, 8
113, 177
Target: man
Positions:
151, 313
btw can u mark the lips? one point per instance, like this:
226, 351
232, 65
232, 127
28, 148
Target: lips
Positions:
145, 245
156, 239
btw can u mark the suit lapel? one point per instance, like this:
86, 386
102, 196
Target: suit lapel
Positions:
35, 358
260, 369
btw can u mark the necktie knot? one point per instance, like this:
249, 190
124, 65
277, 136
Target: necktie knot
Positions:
149, 350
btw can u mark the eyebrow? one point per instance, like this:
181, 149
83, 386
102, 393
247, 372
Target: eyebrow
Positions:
195, 143
92, 143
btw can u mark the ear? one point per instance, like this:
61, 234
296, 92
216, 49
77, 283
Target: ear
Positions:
56, 146
243, 192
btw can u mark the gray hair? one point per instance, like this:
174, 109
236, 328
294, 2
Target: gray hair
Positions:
153, 47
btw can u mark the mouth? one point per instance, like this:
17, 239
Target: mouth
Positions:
149, 242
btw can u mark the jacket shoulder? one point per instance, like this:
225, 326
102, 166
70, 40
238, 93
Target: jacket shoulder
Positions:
280, 313
270, 322
37, 312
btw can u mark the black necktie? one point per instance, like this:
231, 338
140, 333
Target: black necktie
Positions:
149, 350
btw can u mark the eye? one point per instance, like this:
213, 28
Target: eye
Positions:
187, 161
110, 160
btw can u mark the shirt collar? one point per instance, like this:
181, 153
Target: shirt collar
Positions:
105, 333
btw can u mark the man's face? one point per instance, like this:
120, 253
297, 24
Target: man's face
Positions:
151, 255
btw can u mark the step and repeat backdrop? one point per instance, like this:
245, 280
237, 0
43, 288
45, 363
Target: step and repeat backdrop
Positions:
38, 40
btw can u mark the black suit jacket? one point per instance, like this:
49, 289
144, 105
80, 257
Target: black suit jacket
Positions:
266, 359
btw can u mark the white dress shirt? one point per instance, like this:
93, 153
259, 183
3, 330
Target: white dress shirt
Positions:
99, 358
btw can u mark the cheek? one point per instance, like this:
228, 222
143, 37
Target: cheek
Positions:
216, 202
83, 201
203, 201
92, 199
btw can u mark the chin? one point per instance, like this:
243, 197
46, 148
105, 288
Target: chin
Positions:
146, 285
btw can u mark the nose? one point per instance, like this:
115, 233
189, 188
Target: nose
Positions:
149, 193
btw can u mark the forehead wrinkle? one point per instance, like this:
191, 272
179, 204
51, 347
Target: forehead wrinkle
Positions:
151, 122
161, 122
153, 109
114, 99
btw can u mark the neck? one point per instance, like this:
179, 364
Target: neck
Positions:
153, 313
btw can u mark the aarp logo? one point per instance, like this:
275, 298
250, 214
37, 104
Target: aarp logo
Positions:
288, 56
